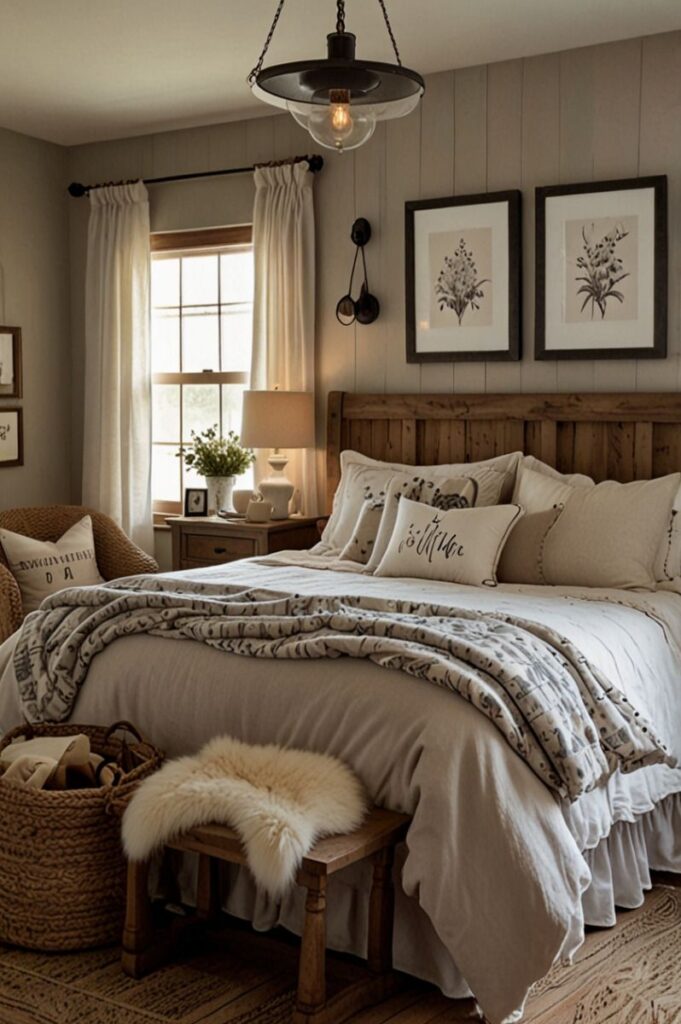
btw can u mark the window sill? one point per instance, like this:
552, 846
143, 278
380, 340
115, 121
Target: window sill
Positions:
161, 528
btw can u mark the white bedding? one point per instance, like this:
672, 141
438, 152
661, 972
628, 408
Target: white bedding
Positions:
494, 866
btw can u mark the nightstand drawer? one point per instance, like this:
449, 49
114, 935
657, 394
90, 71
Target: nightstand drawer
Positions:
217, 548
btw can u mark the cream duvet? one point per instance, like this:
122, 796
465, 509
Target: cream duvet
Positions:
494, 870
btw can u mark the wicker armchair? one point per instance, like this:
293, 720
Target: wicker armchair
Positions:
116, 553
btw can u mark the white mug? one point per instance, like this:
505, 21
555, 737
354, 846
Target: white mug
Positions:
259, 511
241, 499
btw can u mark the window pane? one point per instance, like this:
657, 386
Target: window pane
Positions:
165, 282
165, 342
200, 408
237, 329
165, 473
236, 276
200, 350
192, 479
166, 412
199, 280
232, 401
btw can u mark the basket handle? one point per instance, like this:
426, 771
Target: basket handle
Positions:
124, 726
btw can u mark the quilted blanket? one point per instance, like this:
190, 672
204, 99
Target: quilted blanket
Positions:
563, 717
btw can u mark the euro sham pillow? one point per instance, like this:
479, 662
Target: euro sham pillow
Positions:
607, 535
42, 568
667, 565
363, 478
522, 556
456, 546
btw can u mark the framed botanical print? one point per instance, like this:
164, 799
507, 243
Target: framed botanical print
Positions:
10, 362
463, 278
601, 270
11, 438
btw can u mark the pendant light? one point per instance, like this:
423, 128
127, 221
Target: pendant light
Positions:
338, 99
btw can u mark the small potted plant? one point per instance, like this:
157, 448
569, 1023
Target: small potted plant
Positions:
220, 460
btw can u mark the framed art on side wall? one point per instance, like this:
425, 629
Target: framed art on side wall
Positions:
601, 270
10, 362
11, 438
463, 278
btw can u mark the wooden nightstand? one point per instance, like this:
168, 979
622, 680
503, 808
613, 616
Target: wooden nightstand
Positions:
199, 542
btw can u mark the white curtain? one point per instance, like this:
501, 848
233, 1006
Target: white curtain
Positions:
284, 300
117, 427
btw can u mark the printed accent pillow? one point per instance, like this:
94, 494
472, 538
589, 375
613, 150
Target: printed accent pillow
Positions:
458, 546
42, 568
363, 477
522, 558
461, 492
608, 535
361, 544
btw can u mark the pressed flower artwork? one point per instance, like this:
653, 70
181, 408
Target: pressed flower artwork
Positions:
463, 278
601, 269
461, 275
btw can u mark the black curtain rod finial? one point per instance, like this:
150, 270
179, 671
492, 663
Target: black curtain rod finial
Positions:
77, 190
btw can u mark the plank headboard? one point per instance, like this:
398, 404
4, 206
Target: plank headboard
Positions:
619, 437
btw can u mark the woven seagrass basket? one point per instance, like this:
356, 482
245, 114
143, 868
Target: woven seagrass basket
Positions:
62, 870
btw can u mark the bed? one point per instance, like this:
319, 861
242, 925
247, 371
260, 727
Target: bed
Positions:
498, 875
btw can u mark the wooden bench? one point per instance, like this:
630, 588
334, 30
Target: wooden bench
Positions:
375, 840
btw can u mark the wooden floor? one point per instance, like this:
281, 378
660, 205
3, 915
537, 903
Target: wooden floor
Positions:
630, 974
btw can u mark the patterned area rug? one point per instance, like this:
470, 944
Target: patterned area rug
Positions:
627, 975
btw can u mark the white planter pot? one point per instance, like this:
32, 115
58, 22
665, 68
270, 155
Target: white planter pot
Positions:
220, 494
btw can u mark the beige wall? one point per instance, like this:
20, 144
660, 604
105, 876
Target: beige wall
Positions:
589, 114
34, 284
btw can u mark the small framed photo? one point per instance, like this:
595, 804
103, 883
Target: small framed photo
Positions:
463, 278
10, 362
601, 270
196, 501
11, 438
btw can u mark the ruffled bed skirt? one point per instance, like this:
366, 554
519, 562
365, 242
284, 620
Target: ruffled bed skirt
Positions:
620, 864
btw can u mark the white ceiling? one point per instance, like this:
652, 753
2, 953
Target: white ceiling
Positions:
75, 71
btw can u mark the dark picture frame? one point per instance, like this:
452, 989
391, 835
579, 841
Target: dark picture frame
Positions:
195, 501
10, 339
457, 304
5, 414
608, 295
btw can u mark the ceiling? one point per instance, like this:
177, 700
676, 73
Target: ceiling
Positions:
75, 71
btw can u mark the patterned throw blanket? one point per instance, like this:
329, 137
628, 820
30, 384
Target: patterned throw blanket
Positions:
569, 723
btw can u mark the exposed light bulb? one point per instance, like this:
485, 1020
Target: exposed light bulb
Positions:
336, 124
341, 120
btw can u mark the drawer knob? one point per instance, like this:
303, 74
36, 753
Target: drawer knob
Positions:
220, 551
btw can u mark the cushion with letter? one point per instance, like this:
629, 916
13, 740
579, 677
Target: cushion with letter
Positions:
42, 567
461, 545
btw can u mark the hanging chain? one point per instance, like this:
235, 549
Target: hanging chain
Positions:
340, 15
390, 32
258, 67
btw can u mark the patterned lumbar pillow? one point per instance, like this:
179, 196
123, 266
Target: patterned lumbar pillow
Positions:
457, 546
361, 544
42, 568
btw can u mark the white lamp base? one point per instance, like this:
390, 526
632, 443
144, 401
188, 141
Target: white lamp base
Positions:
276, 488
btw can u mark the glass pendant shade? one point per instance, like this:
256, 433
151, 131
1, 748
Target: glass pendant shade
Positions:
340, 99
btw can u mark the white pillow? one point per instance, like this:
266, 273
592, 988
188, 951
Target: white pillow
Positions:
363, 478
42, 568
667, 564
608, 535
459, 546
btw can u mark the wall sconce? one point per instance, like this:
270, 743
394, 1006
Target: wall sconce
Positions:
366, 308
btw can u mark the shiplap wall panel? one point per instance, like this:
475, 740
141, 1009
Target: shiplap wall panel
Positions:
470, 174
437, 179
504, 171
606, 111
541, 160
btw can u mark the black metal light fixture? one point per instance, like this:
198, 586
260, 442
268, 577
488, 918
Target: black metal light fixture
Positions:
338, 99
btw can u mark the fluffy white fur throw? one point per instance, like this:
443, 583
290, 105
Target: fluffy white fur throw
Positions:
279, 801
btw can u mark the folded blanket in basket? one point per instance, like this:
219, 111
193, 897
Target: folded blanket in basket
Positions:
53, 762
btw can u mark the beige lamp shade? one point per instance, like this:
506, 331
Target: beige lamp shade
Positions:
278, 419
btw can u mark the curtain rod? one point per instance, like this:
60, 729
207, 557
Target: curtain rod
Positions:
315, 163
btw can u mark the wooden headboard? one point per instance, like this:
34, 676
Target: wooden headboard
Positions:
618, 437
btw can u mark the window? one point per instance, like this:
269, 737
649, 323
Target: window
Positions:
202, 315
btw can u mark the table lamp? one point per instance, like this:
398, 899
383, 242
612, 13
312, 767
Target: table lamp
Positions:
277, 419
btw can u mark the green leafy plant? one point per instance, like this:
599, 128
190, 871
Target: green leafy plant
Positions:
212, 455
